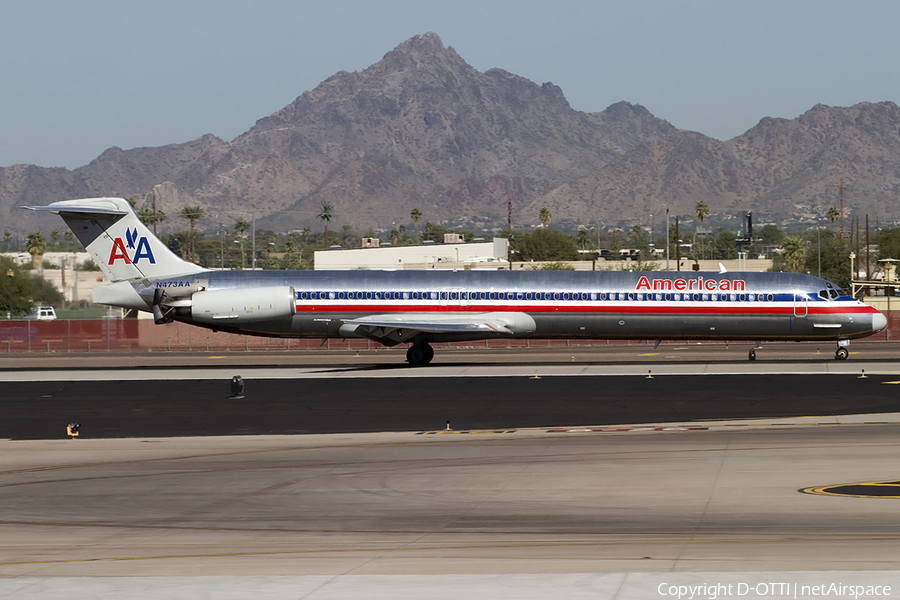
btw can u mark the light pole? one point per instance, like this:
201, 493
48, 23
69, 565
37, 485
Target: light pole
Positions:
667, 239
819, 242
10, 273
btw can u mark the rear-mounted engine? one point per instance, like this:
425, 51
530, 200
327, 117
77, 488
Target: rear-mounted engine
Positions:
243, 305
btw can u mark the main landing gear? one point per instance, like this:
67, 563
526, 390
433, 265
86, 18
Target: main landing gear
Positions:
419, 355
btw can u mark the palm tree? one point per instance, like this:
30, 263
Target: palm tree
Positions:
36, 245
833, 214
69, 236
7, 237
150, 217
192, 214
701, 211
416, 216
544, 217
182, 242
793, 250
54, 235
583, 238
326, 215
145, 215
240, 226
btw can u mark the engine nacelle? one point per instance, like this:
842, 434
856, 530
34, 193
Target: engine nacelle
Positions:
243, 305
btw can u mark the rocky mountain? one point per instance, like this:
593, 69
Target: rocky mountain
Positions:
422, 128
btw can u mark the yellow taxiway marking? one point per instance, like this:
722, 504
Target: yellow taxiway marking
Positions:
891, 382
649, 354
425, 548
825, 490
211, 357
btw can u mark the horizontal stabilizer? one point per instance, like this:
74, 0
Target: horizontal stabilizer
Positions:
78, 210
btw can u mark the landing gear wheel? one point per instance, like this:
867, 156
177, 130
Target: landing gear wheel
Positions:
419, 355
841, 354
752, 355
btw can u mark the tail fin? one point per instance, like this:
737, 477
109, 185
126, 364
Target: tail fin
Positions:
119, 243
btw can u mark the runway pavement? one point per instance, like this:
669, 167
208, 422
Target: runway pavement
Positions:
326, 404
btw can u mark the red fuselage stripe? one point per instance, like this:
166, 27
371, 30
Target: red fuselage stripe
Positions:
711, 308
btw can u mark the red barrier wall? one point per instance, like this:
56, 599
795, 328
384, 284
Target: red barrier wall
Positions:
111, 335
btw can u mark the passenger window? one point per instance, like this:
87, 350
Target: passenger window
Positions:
771, 297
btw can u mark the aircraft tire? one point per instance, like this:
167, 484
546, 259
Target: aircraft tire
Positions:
752, 355
841, 354
419, 355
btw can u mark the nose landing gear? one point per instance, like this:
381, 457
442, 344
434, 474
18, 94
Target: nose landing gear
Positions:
841, 353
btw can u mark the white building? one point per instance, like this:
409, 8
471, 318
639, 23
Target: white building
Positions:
478, 255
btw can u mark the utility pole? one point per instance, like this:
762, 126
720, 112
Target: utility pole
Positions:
868, 269
677, 246
509, 228
668, 240
842, 208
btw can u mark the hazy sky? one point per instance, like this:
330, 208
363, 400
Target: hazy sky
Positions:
77, 77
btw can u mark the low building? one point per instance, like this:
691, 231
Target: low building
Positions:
480, 255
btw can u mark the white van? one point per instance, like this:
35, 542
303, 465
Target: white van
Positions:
44, 313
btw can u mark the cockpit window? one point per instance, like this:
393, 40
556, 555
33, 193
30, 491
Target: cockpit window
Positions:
823, 294
836, 294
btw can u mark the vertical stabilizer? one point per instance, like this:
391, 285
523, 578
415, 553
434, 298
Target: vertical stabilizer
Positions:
119, 243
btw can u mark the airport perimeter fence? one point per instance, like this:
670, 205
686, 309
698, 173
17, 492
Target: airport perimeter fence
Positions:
131, 335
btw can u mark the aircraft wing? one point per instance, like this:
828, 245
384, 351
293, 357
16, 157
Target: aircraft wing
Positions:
391, 329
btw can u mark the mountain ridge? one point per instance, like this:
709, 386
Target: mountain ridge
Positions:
422, 128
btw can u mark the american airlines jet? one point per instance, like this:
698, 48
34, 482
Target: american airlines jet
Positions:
421, 307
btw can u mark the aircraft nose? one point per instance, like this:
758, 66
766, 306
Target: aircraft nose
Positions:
879, 322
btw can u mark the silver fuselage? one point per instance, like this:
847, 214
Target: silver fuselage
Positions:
561, 304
